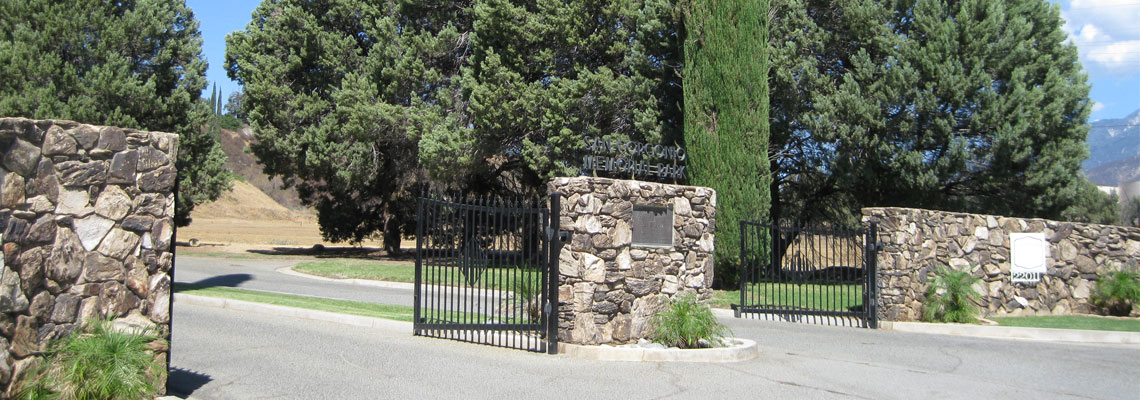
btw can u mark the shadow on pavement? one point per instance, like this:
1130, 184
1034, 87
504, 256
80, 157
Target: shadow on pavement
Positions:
320, 251
182, 382
231, 280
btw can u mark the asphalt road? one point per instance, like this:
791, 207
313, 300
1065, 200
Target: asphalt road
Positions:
257, 274
227, 354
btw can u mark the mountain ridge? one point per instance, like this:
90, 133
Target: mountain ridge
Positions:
1114, 150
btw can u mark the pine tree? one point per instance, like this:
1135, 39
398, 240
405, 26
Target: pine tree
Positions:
362, 104
970, 106
726, 116
132, 64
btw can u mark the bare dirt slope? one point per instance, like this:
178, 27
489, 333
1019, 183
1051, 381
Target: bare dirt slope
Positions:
258, 216
245, 201
247, 166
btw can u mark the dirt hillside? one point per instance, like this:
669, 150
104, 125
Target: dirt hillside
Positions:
246, 165
247, 202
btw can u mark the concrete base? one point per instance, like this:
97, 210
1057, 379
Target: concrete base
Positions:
1010, 332
743, 350
805, 319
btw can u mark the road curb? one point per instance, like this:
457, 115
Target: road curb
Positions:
292, 312
362, 282
1010, 332
747, 350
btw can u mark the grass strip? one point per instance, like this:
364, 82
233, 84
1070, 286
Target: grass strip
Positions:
386, 311
1085, 322
499, 278
835, 297
358, 269
239, 256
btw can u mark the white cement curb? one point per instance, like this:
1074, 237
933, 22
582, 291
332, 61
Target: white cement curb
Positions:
723, 313
362, 282
292, 312
745, 350
1011, 332
384, 284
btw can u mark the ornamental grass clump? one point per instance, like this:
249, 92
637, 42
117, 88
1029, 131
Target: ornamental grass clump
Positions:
527, 289
98, 363
688, 324
950, 297
1117, 292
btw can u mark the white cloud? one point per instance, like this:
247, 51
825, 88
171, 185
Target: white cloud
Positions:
1097, 106
1106, 33
1123, 55
1090, 33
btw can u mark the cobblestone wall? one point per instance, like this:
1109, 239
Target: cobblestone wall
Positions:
86, 216
610, 288
915, 241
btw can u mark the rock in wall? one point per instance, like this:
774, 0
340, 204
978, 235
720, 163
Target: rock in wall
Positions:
915, 241
86, 214
609, 288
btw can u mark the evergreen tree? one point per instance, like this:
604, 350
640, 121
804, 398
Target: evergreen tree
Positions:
234, 106
132, 64
974, 106
360, 103
338, 93
542, 76
726, 116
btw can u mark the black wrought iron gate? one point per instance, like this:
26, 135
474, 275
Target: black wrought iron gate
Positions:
487, 271
820, 274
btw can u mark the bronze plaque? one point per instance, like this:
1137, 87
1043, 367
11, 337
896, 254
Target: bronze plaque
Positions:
652, 226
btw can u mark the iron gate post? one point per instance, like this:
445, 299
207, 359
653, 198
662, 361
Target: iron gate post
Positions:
871, 292
554, 246
736, 311
419, 265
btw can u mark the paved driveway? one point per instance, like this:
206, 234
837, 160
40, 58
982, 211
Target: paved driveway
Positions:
227, 354
260, 274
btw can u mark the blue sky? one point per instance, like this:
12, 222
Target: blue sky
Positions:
217, 19
1107, 32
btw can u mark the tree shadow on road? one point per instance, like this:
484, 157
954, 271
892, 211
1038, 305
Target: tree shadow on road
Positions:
183, 382
230, 280
362, 253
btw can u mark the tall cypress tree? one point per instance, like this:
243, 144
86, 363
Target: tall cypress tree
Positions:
726, 116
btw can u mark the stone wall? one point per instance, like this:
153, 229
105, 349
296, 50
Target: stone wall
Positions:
915, 241
609, 288
86, 216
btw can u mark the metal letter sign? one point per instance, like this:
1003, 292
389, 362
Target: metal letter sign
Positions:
1028, 252
633, 159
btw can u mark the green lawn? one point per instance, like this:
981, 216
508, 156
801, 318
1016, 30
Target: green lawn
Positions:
386, 311
358, 269
491, 278
1072, 322
839, 297
241, 256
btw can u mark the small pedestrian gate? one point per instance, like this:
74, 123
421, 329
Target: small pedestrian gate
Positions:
487, 271
816, 274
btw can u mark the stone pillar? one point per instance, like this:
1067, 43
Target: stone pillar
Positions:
916, 241
627, 257
86, 219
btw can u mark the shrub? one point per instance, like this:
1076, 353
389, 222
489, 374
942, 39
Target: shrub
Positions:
230, 122
686, 323
1118, 292
527, 288
98, 363
950, 297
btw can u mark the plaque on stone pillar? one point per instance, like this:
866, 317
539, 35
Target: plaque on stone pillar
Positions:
652, 226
